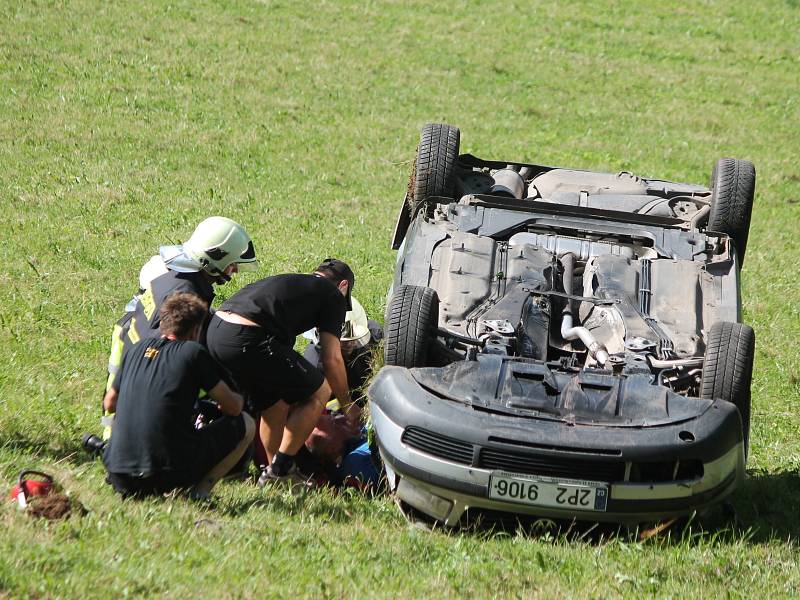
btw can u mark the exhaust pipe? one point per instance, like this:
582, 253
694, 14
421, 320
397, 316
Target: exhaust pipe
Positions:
508, 182
700, 216
570, 332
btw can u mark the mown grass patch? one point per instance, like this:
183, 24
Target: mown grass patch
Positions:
122, 126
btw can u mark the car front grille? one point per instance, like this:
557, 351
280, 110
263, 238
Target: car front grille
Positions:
517, 462
461, 452
438, 445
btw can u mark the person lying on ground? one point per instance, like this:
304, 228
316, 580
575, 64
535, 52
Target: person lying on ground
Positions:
340, 455
253, 334
155, 448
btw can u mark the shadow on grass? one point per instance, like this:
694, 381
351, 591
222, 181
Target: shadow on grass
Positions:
765, 508
768, 505
306, 503
34, 450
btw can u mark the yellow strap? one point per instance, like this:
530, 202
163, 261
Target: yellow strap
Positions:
148, 303
115, 356
110, 380
107, 422
133, 335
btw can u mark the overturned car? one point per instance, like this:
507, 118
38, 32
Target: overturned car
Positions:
563, 343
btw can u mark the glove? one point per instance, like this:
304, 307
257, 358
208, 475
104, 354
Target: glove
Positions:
107, 421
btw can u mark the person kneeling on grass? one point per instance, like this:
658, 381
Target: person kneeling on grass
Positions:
155, 448
252, 336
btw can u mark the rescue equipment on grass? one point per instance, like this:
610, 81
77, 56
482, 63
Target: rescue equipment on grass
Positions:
27, 488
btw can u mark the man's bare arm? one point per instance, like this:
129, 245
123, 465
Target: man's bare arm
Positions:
110, 401
335, 372
230, 403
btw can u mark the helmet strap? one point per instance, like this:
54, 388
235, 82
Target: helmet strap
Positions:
220, 276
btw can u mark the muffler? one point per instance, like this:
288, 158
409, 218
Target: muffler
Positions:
508, 183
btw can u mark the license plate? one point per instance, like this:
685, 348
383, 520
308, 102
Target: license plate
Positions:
537, 490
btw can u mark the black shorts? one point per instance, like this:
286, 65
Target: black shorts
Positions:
264, 370
213, 443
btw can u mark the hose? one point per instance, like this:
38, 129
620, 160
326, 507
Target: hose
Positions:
699, 216
678, 362
570, 332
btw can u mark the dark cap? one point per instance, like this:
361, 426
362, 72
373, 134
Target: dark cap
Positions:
339, 270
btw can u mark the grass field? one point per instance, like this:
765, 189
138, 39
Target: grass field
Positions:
122, 125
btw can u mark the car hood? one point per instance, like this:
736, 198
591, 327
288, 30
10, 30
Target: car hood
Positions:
532, 389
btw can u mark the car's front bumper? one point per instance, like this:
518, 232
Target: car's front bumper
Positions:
445, 472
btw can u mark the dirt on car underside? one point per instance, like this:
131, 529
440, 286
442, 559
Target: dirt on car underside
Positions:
533, 390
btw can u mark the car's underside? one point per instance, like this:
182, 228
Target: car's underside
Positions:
570, 317
507, 275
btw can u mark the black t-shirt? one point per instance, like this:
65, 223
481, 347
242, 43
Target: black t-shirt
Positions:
287, 305
146, 317
158, 384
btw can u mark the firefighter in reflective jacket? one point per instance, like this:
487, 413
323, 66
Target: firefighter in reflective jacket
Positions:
217, 249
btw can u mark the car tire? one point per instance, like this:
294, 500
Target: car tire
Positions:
728, 368
433, 173
411, 320
733, 183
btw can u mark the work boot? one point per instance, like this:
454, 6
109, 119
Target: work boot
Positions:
294, 479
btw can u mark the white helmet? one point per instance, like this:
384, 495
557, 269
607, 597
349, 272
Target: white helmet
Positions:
355, 331
215, 244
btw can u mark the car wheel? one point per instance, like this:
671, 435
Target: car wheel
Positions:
411, 321
728, 368
733, 183
434, 167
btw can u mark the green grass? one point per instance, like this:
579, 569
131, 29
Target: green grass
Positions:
122, 125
